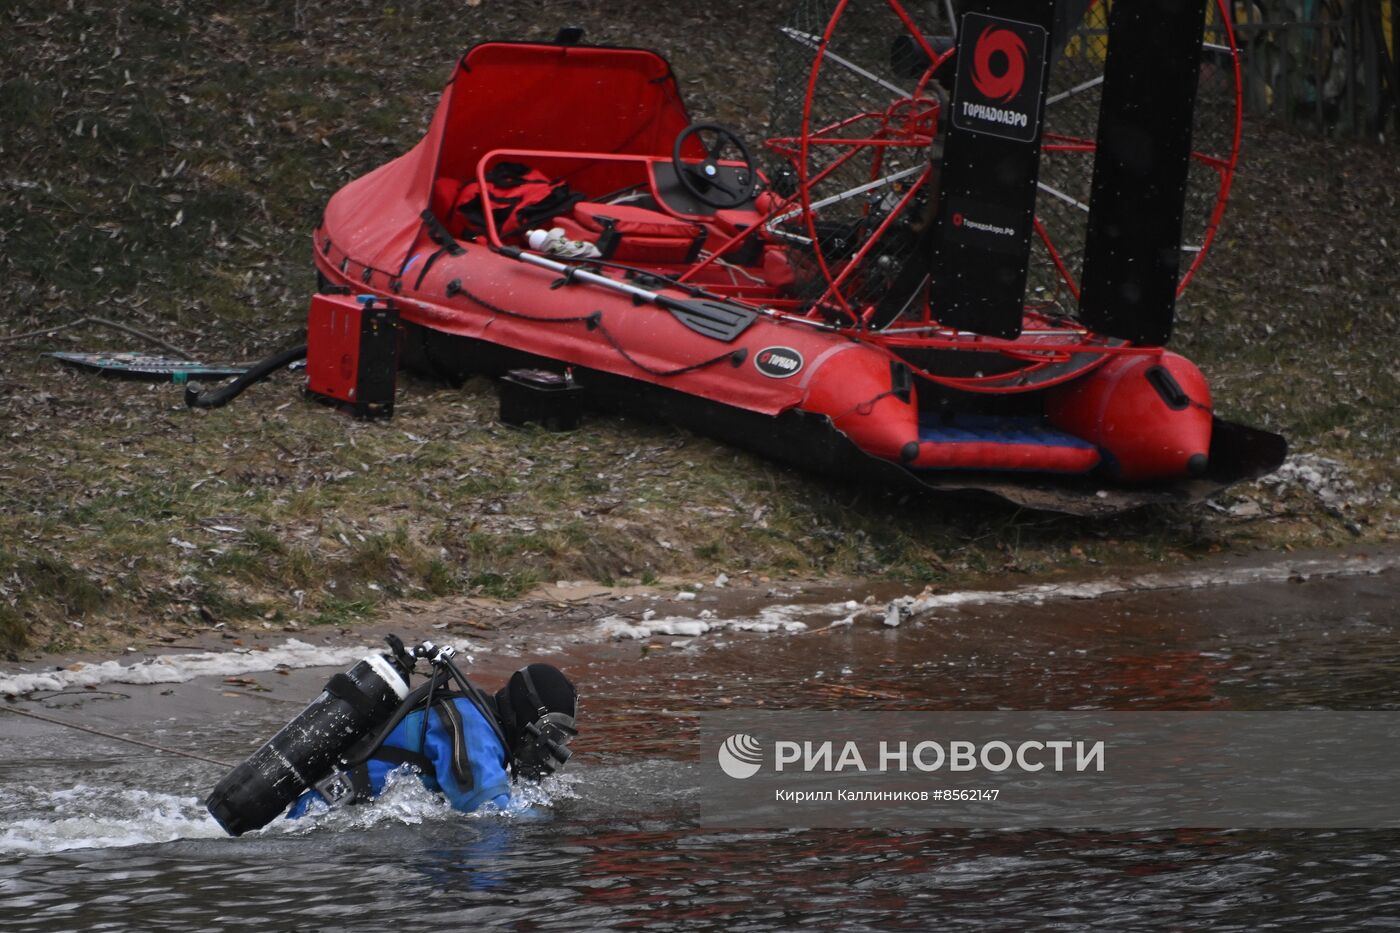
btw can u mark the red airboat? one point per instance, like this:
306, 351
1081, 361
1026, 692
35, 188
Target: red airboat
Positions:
958, 264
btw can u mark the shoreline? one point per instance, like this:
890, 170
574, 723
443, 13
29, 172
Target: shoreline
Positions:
651, 617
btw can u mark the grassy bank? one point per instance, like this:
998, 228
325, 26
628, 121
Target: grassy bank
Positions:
164, 163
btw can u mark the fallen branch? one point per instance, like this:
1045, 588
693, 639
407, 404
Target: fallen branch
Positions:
848, 690
103, 322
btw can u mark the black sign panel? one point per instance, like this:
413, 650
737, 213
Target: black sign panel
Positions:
1001, 77
991, 163
986, 226
1132, 252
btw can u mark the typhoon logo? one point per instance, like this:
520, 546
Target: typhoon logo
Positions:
1006, 85
740, 756
778, 362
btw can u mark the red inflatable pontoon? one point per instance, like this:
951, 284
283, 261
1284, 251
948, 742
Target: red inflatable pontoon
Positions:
840, 310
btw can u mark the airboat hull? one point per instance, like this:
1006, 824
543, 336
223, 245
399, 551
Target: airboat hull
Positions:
1093, 432
812, 443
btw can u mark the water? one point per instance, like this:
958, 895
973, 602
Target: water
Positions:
97, 835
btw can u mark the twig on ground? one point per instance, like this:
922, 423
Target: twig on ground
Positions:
103, 322
848, 690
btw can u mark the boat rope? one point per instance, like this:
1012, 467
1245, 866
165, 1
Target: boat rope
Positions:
594, 321
865, 407
735, 357
455, 287
115, 737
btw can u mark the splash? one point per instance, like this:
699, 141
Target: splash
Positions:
85, 817
406, 802
90, 817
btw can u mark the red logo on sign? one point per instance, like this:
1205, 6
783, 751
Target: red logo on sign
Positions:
1007, 85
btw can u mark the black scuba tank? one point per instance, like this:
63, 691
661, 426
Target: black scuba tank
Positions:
304, 751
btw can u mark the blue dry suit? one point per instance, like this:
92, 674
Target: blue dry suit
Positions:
461, 758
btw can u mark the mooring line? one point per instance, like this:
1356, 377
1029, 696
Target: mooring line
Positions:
119, 738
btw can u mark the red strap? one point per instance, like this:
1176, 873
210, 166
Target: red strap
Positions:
667, 250
634, 221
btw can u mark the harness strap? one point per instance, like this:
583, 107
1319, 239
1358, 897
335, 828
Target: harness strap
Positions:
428, 265
440, 235
532, 694
366, 747
360, 782
399, 756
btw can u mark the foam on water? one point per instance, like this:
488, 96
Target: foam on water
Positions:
85, 817
779, 617
932, 603
177, 668
787, 618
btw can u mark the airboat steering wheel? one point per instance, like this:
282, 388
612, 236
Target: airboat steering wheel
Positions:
707, 181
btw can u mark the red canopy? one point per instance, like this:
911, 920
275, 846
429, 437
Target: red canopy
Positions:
516, 96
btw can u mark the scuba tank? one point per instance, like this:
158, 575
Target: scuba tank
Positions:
307, 748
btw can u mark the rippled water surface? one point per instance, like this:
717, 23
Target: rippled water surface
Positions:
96, 835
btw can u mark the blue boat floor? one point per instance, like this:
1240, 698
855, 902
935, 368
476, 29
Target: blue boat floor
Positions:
992, 429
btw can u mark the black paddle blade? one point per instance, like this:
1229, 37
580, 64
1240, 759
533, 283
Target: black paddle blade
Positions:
1132, 251
991, 162
713, 319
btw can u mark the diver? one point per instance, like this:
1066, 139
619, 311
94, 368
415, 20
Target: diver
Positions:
468, 750
461, 742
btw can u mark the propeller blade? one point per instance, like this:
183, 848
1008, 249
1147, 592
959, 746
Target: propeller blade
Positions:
1132, 250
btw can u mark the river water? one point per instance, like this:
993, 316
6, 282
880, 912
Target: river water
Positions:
97, 835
